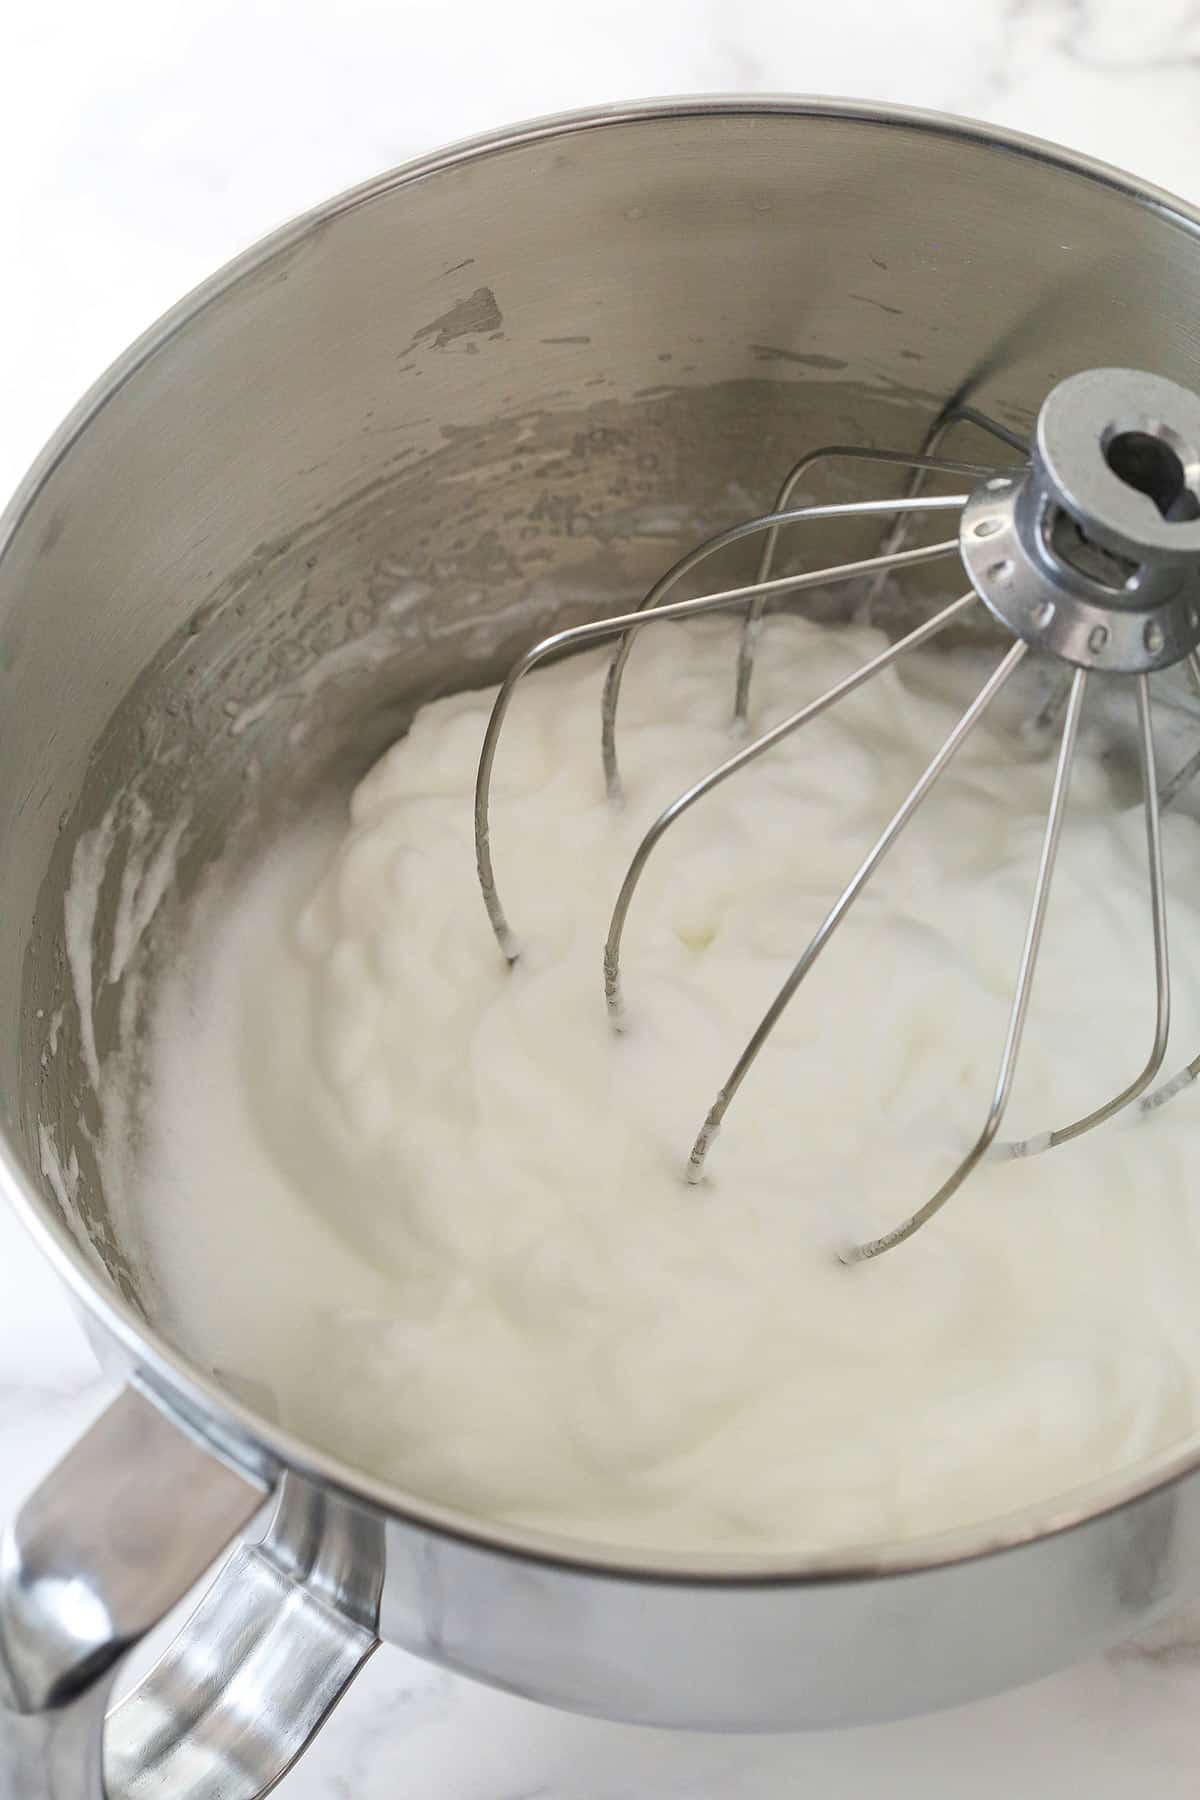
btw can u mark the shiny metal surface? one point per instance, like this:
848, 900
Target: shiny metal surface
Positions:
119, 1532
1094, 553
375, 460
1120, 450
255, 1672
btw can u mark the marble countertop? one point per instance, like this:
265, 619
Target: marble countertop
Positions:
143, 145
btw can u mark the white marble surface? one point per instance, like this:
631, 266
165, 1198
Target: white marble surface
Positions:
141, 145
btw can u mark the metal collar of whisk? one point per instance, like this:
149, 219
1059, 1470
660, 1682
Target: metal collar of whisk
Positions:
1093, 554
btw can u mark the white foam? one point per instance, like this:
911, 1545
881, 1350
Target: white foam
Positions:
438, 1207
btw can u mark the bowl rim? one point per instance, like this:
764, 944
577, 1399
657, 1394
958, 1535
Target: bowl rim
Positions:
235, 1431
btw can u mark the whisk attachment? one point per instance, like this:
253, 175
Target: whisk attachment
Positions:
1093, 554
957, 411
903, 815
1050, 1140
582, 637
758, 592
1020, 1003
1088, 555
752, 624
961, 412
612, 948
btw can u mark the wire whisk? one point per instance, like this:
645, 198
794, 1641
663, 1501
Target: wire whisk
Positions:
1087, 552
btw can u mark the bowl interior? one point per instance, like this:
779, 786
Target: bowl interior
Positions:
475, 401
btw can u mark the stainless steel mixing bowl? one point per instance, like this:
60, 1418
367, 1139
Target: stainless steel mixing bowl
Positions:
500, 388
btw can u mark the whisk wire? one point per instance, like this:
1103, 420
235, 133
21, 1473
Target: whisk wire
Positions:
654, 598
956, 413
752, 624
845, 900
1162, 971
767, 741
1191, 1070
1020, 1004
581, 637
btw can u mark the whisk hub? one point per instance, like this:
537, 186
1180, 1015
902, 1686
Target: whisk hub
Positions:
1093, 553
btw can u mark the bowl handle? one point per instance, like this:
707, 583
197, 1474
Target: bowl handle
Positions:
114, 1537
